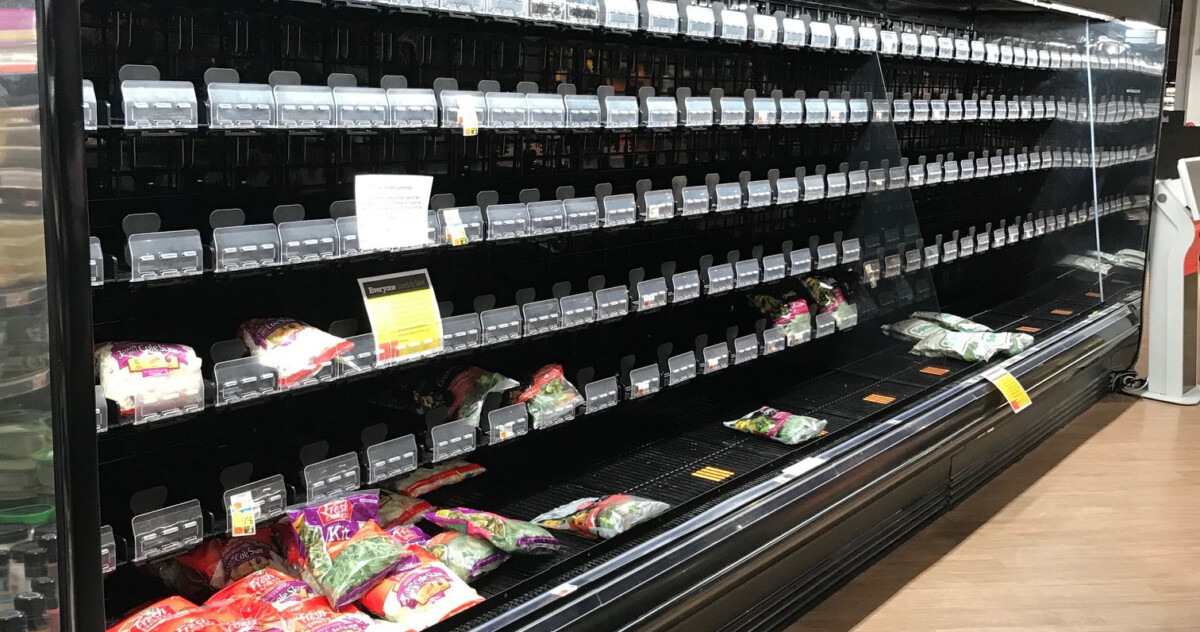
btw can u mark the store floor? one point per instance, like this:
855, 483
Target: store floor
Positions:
1096, 530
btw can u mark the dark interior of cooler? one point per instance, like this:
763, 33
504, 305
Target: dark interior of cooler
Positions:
670, 446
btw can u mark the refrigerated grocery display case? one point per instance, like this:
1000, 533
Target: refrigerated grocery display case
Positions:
631, 191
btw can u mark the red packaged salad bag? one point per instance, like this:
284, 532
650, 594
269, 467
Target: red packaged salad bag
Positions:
268, 586
224, 560
420, 594
295, 350
315, 615
426, 479
238, 617
147, 618
201, 620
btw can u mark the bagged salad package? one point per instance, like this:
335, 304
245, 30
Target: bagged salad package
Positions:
409, 535
129, 370
1086, 263
147, 618
426, 479
830, 299
469, 556
342, 550
359, 563
314, 615
781, 426
196, 620
952, 322
972, 347
224, 560
296, 350
605, 517
462, 390
396, 510
911, 329
550, 397
421, 593
788, 313
266, 587
510, 536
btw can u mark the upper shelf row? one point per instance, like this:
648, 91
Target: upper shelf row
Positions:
717, 21
150, 104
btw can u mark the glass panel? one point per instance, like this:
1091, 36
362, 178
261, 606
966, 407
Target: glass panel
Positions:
1125, 76
28, 547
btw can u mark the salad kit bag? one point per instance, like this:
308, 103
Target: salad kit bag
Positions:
469, 556
463, 391
510, 536
342, 549
830, 299
972, 347
781, 426
550, 397
911, 330
603, 518
952, 322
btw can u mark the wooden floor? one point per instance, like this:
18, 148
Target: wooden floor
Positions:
1097, 530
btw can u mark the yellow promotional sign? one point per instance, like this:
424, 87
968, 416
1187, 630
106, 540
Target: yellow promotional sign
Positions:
1012, 390
404, 315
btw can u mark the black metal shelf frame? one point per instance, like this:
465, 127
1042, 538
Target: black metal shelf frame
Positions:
187, 175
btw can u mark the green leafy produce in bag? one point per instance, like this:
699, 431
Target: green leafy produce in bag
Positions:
788, 313
550, 397
511, 536
469, 556
972, 347
781, 426
462, 390
363, 561
831, 299
343, 552
604, 518
952, 322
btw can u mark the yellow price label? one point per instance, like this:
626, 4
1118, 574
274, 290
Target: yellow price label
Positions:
1010, 387
243, 524
243, 514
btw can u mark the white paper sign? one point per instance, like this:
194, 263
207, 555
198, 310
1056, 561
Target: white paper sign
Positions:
393, 211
